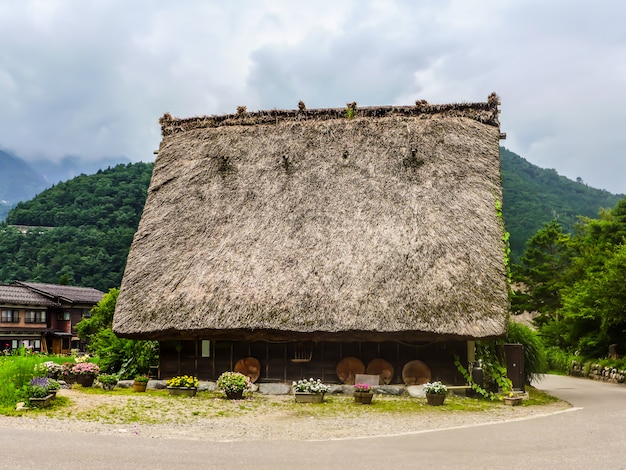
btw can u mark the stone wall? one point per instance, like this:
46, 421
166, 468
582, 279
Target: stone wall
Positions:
598, 372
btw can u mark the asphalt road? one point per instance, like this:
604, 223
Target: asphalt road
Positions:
591, 435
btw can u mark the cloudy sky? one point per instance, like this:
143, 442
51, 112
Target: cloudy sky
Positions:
92, 77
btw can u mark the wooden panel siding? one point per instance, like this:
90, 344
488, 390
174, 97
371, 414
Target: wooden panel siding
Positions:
185, 357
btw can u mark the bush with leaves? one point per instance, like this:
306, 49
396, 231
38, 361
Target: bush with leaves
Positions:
116, 355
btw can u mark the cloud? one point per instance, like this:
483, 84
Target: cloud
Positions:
92, 78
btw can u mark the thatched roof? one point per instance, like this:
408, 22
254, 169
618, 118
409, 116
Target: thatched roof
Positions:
309, 224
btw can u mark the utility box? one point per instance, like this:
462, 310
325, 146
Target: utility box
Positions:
514, 356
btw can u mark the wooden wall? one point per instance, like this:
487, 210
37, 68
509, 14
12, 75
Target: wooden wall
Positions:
185, 357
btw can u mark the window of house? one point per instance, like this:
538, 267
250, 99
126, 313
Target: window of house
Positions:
35, 316
63, 316
10, 316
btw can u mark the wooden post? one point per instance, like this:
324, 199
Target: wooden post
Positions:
471, 351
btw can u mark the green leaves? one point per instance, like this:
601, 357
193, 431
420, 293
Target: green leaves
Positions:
126, 356
81, 229
577, 283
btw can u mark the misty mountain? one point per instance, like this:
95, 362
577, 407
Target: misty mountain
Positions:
18, 182
71, 166
21, 180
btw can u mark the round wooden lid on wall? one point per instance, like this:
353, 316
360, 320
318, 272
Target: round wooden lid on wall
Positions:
249, 366
382, 368
347, 369
415, 373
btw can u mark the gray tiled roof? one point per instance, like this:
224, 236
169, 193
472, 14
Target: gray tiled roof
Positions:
19, 295
72, 294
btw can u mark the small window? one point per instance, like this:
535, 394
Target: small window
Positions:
65, 316
10, 316
35, 316
206, 348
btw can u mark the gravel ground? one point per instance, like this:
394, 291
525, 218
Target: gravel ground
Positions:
259, 419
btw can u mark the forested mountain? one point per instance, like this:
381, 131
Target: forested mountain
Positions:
85, 225
79, 231
534, 196
20, 180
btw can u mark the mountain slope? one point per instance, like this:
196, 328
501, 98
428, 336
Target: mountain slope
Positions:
81, 230
20, 180
95, 217
534, 196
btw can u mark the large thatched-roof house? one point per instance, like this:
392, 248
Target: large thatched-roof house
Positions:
300, 240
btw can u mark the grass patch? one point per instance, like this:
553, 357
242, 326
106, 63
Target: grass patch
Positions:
123, 406
537, 397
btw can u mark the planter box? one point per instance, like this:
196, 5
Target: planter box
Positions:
234, 395
41, 402
435, 399
309, 397
363, 397
182, 391
512, 401
85, 380
140, 386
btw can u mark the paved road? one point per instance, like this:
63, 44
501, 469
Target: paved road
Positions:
592, 435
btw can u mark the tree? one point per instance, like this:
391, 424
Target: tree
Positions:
124, 356
542, 271
592, 310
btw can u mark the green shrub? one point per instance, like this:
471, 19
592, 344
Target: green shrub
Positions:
559, 361
16, 372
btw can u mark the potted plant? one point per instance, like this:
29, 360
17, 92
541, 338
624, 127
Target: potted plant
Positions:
38, 394
85, 373
66, 373
140, 383
234, 384
108, 381
512, 400
185, 385
363, 393
53, 387
435, 393
309, 390
49, 369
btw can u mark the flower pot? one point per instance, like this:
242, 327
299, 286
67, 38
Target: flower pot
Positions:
140, 386
69, 379
238, 395
109, 387
53, 393
302, 397
435, 399
363, 397
512, 401
182, 391
41, 402
85, 380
